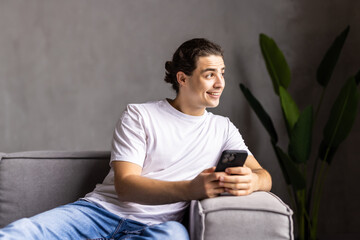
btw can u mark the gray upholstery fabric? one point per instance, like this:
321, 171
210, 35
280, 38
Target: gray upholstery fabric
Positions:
33, 182
260, 215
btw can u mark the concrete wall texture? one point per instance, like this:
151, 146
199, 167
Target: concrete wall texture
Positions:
68, 69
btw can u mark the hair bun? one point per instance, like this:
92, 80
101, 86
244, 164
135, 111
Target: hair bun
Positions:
169, 66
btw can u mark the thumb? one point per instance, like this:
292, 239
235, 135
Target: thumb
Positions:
209, 170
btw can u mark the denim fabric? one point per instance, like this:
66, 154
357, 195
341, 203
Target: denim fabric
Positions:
85, 220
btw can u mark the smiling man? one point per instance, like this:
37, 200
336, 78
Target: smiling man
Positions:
202, 88
163, 155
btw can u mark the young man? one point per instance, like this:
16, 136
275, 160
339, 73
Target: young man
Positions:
163, 155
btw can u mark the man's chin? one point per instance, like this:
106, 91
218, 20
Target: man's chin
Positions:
213, 105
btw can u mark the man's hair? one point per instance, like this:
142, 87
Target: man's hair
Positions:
186, 56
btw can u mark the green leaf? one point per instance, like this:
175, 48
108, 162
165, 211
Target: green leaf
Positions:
296, 178
260, 113
276, 64
328, 151
341, 119
289, 107
330, 59
300, 138
282, 166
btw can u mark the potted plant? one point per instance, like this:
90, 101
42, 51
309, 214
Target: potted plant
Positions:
294, 161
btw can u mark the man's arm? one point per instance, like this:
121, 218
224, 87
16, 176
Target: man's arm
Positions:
245, 180
132, 187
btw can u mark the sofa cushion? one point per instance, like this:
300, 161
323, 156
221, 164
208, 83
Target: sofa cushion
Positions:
260, 215
33, 182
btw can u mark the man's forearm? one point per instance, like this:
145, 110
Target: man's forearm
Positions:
139, 189
264, 182
148, 191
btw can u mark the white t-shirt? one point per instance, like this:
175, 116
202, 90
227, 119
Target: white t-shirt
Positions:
169, 145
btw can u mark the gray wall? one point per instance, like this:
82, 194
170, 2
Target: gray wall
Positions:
68, 68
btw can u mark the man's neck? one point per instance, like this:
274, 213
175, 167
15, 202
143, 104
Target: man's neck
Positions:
185, 108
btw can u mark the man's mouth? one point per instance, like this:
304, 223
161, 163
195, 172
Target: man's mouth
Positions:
214, 93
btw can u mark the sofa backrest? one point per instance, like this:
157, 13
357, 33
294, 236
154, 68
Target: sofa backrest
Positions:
33, 182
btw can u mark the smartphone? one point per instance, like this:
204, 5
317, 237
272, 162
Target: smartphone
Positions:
231, 158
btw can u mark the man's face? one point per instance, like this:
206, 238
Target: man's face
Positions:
207, 82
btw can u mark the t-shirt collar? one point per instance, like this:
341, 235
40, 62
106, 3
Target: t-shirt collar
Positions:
182, 115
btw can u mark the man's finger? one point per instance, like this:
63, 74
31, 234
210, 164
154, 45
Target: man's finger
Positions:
235, 186
212, 177
238, 192
235, 179
238, 170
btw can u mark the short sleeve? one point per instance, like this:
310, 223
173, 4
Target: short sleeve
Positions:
234, 139
129, 140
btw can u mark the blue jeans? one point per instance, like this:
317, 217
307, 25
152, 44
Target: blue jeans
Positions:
85, 220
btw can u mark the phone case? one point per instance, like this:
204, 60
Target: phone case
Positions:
231, 158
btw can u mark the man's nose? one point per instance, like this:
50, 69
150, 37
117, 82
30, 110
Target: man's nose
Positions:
220, 82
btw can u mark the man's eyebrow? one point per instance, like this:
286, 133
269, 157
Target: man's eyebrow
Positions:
211, 70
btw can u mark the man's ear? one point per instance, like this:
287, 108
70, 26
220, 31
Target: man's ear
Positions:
181, 78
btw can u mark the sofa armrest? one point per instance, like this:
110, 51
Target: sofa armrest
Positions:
260, 215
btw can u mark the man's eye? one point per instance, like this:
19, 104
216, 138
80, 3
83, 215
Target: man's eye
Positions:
210, 75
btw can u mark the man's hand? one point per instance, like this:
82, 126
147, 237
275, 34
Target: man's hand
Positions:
244, 180
239, 181
206, 184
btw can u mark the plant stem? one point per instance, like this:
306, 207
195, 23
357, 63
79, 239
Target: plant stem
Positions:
318, 194
318, 180
313, 177
315, 169
302, 214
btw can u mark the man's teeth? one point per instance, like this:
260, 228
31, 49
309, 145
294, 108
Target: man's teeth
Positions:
215, 94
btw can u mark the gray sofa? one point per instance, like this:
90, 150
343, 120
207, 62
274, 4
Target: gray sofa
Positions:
33, 182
